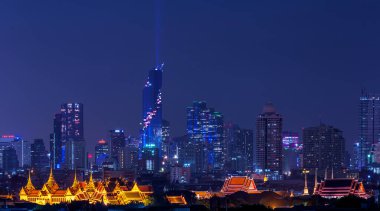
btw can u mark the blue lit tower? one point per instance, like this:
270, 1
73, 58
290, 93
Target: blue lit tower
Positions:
205, 132
151, 132
369, 128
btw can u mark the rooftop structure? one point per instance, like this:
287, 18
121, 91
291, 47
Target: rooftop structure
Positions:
337, 188
234, 184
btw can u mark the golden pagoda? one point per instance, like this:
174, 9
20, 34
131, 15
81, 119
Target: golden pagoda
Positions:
106, 192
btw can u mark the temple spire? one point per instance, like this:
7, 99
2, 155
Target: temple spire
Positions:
75, 182
326, 173
332, 172
51, 176
305, 189
29, 185
315, 179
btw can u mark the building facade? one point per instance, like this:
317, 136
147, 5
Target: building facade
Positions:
323, 148
151, 131
269, 142
102, 152
117, 145
206, 134
369, 127
39, 155
56, 142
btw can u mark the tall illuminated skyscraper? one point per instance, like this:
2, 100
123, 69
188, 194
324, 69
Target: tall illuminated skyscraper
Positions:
151, 132
269, 142
206, 134
56, 142
117, 145
72, 135
369, 128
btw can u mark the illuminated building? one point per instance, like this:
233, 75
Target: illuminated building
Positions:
151, 131
323, 147
369, 127
21, 146
117, 146
269, 142
239, 150
109, 192
39, 155
165, 145
185, 151
131, 155
179, 174
205, 132
9, 159
291, 149
71, 132
176, 200
234, 184
76, 154
56, 142
102, 152
337, 188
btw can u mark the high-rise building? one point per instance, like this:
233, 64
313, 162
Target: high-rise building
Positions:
205, 132
166, 145
369, 127
117, 145
56, 142
239, 149
76, 155
102, 152
72, 131
39, 155
21, 146
291, 149
9, 159
269, 142
323, 148
151, 132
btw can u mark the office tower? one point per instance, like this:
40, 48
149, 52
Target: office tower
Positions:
10, 161
165, 145
130, 157
269, 142
323, 148
151, 132
205, 132
102, 152
369, 127
71, 132
56, 142
76, 154
291, 149
185, 151
117, 144
239, 149
21, 146
39, 155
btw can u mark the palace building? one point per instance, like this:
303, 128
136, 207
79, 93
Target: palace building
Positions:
110, 192
337, 188
231, 185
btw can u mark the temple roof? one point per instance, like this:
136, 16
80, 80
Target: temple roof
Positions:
239, 183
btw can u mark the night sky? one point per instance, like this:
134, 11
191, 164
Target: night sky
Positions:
310, 58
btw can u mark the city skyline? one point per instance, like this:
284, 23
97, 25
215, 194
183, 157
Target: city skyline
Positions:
114, 72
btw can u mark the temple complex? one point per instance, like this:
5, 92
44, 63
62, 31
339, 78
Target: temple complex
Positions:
109, 192
337, 188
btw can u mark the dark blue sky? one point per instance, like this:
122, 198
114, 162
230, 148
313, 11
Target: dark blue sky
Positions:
310, 58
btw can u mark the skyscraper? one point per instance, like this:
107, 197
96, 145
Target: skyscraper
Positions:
151, 132
102, 152
291, 149
369, 127
269, 142
56, 142
166, 145
117, 145
9, 157
205, 132
72, 135
323, 147
38, 155
21, 146
239, 149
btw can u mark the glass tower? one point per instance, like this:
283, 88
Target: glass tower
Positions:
369, 127
151, 132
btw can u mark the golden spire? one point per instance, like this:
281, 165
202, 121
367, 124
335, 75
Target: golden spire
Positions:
29, 185
91, 181
315, 179
75, 182
51, 177
135, 187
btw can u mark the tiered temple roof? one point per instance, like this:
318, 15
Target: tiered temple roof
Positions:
337, 188
234, 184
115, 192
